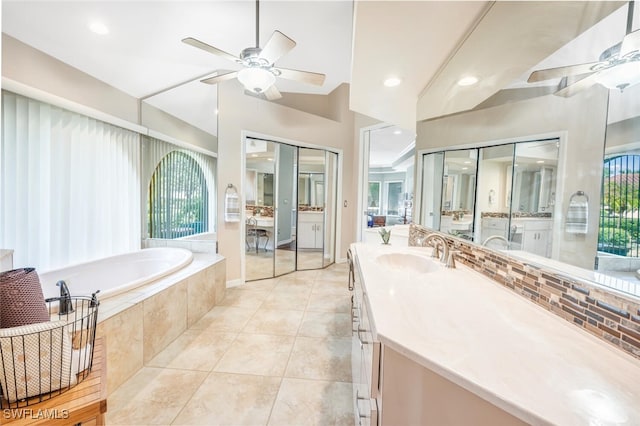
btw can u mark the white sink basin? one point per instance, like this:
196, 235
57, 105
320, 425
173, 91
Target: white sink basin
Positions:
408, 263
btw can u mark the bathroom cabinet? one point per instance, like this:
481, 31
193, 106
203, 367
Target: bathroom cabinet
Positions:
533, 236
310, 235
365, 355
391, 388
491, 226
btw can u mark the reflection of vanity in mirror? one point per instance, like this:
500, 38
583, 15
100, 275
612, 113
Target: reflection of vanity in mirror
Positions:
289, 208
310, 209
458, 190
544, 192
516, 196
502, 196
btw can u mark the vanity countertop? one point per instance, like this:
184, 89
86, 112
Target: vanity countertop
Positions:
496, 344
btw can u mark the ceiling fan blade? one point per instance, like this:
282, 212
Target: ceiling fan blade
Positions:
204, 46
578, 86
272, 93
276, 47
303, 76
550, 73
630, 43
220, 77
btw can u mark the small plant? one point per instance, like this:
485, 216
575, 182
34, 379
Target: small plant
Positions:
385, 235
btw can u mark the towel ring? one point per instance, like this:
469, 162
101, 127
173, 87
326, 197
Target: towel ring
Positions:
578, 194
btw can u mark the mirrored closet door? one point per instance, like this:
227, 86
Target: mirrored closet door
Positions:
290, 217
260, 184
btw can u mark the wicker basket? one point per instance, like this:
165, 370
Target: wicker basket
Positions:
42, 360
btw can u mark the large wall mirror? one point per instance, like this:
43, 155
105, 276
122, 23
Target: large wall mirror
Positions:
290, 199
180, 167
458, 192
501, 196
557, 176
619, 222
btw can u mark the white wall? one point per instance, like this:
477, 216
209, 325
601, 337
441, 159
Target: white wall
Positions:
240, 114
579, 120
492, 176
28, 66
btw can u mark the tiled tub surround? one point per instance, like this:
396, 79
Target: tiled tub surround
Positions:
140, 323
610, 316
486, 342
274, 351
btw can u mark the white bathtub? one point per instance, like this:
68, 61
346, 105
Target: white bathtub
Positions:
116, 274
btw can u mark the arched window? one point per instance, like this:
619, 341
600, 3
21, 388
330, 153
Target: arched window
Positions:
178, 198
619, 231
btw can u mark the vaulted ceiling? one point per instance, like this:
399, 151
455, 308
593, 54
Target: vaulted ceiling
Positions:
430, 45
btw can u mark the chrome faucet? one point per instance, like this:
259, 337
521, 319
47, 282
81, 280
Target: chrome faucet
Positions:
439, 241
66, 306
497, 237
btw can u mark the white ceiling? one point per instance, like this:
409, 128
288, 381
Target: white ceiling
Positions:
428, 44
387, 145
143, 52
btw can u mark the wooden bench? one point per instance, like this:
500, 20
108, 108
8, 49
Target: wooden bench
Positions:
85, 403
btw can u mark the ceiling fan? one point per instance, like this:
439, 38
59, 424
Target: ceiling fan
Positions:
259, 72
618, 67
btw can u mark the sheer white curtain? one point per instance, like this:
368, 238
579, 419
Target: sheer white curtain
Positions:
69, 185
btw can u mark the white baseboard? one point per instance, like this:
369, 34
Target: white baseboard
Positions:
234, 283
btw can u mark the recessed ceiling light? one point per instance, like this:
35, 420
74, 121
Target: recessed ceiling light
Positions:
467, 162
540, 161
98, 28
465, 168
397, 132
392, 81
468, 81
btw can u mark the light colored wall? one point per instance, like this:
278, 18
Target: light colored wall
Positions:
581, 118
169, 125
491, 176
239, 114
33, 68
313, 104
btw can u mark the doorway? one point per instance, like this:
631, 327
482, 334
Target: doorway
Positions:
387, 179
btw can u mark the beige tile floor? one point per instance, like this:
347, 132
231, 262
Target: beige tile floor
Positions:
274, 352
261, 265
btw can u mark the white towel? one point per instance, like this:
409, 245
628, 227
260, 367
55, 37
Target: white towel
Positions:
231, 207
577, 217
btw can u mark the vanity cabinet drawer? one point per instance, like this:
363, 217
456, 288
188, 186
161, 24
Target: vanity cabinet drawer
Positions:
365, 355
535, 225
494, 224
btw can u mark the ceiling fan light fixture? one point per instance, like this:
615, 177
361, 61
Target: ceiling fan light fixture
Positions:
256, 80
621, 76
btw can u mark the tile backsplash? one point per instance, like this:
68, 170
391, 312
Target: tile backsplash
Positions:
605, 314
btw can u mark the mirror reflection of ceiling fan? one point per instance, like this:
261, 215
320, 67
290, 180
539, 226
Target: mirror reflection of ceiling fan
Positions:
258, 73
618, 67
